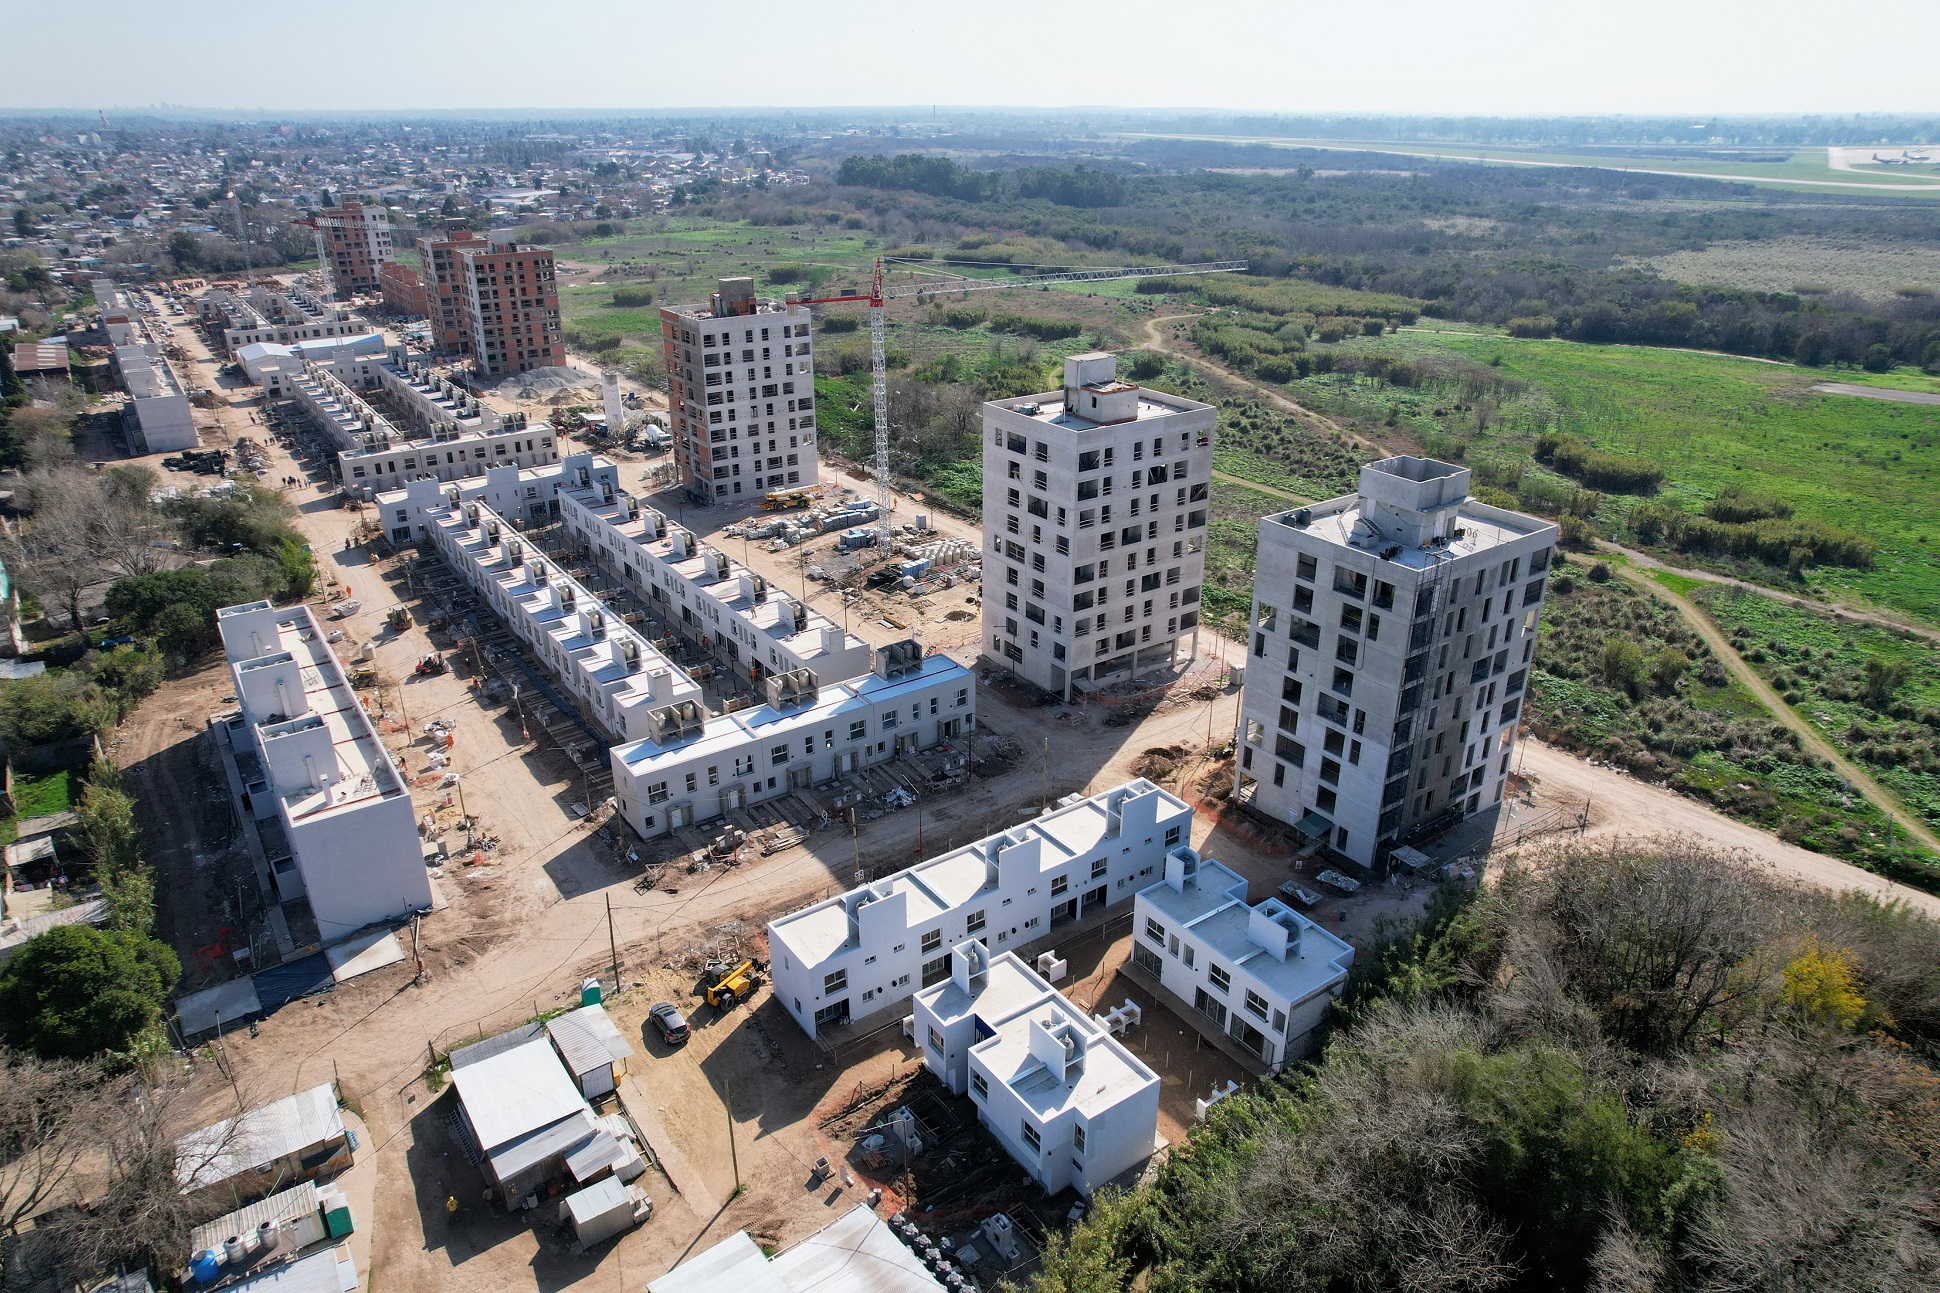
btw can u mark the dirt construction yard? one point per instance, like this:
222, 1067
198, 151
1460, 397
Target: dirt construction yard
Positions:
557, 900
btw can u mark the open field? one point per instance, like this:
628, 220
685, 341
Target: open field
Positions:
1620, 677
1805, 168
1711, 422
1819, 665
1868, 269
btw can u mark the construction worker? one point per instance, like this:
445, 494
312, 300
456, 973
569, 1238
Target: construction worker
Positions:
451, 1207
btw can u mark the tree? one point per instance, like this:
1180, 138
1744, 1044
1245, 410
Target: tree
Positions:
1667, 667
53, 707
299, 568
184, 248
1622, 663
111, 839
45, 1134
76, 992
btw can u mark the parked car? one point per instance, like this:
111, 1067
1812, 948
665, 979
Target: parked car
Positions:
668, 1022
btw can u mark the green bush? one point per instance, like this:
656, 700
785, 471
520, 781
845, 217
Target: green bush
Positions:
1042, 329
77, 992
632, 296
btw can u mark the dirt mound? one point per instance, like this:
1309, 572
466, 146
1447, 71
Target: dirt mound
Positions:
1159, 762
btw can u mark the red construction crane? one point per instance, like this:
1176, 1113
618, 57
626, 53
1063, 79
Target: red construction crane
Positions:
880, 296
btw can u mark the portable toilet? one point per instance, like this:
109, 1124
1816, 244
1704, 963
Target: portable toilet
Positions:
589, 993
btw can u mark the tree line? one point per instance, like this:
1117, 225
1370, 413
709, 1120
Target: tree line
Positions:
940, 177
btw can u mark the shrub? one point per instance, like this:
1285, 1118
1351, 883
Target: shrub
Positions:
1042, 329
76, 992
632, 296
1535, 326
839, 323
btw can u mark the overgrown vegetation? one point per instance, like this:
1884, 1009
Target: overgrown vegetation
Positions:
1639, 1066
1619, 676
1874, 693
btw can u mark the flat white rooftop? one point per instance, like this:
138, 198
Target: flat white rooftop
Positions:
1212, 905
1106, 1075
1478, 527
1049, 409
822, 931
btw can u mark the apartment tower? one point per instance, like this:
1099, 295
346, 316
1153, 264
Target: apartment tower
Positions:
1391, 639
741, 386
496, 303
353, 245
1095, 501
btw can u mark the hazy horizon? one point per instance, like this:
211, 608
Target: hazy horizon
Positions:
1495, 58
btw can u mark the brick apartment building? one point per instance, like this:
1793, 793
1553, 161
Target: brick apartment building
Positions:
353, 245
495, 303
403, 289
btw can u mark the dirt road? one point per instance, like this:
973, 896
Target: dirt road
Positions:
1878, 393
1808, 735
1623, 806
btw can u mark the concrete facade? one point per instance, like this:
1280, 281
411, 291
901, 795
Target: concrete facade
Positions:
854, 956
283, 315
1072, 1105
403, 290
741, 390
157, 415
702, 594
1262, 976
1095, 507
694, 769
321, 770
1391, 637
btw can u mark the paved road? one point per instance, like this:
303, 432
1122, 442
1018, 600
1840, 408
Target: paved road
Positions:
1808, 735
1878, 393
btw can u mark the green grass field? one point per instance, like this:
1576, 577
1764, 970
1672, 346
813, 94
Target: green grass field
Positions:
1819, 665
1710, 421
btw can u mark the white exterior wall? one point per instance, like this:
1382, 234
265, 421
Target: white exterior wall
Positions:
344, 806
866, 950
744, 398
1087, 574
1431, 698
1196, 921
580, 640
526, 493
734, 760
975, 1032
701, 593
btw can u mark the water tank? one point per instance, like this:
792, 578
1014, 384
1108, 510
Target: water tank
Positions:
206, 1266
235, 1250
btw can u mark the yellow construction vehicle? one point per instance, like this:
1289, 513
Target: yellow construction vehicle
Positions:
727, 986
785, 500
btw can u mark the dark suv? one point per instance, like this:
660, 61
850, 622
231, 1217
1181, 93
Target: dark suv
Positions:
667, 1021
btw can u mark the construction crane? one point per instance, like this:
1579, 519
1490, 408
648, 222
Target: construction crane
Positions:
880, 295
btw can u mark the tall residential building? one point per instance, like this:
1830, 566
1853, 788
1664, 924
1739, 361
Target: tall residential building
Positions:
496, 303
511, 303
353, 244
741, 385
1095, 501
443, 285
1391, 636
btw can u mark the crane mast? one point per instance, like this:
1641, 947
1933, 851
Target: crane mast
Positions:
879, 297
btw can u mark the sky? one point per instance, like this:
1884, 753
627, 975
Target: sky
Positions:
1482, 57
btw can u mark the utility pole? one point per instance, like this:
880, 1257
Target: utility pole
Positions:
855, 838
613, 944
727, 1101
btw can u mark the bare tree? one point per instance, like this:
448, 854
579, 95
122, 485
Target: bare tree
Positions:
45, 1132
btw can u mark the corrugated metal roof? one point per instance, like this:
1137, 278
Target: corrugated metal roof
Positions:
735, 1265
516, 1093
596, 1200
506, 1041
258, 1138
528, 1151
299, 1200
588, 1039
321, 1272
857, 1253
